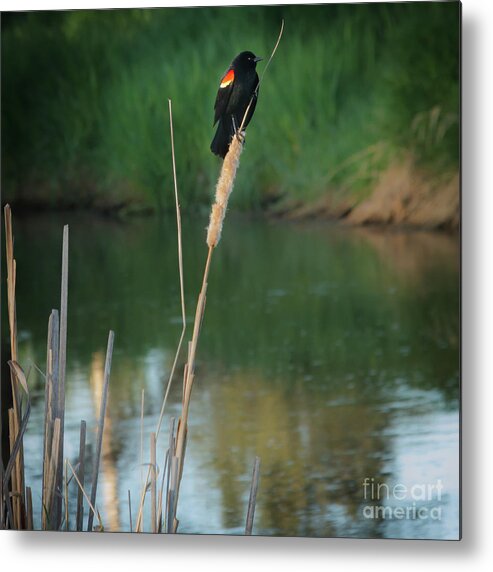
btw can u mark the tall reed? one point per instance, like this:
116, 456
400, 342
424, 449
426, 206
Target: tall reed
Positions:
13, 477
16, 510
224, 189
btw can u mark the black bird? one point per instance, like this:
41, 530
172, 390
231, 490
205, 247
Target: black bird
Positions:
237, 87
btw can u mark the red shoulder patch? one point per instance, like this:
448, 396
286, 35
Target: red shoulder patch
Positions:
228, 78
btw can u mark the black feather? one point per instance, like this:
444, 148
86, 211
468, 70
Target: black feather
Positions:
232, 101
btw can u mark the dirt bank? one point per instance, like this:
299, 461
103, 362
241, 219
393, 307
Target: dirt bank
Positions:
403, 195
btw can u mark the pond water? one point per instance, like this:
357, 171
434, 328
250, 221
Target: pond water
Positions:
332, 353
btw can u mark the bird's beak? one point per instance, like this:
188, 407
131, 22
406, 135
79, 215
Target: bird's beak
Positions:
257, 59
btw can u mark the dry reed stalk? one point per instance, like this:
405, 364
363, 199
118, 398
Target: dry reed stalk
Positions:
102, 415
11, 277
3, 520
51, 408
29, 509
17, 477
158, 517
14, 502
81, 469
48, 519
224, 188
161, 493
253, 497
180, 270
153, 483
189, 375
56, 360
142, 440
65, 495
13, 494
143, 485
62, 362
262, 76
164, 489
94, 512
138, 525
11, 499
171, 469
130, 510
171, 521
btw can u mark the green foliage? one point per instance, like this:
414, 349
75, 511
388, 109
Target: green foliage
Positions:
84, 100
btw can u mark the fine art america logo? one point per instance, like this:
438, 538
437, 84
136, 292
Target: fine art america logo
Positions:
398, 501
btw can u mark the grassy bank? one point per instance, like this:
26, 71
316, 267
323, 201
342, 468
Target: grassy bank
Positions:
352, 90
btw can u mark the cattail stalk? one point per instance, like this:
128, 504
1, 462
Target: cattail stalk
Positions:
224, 188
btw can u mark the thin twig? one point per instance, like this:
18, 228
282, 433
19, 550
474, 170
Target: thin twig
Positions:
253, 497
66, 496
62, 362
130, 510
153, 482
170, 457
180, 268
261, 77
17, 429
138, 525
102, 414
142, 438
29, 508
49, 515
93, 510
51, 392
81, 470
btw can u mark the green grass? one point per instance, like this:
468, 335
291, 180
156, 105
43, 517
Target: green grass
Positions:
84, 100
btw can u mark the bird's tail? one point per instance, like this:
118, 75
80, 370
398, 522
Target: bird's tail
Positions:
222, 139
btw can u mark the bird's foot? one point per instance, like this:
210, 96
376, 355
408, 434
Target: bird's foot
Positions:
240, 135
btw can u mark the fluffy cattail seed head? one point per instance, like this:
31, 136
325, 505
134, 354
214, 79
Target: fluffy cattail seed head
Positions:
224, 188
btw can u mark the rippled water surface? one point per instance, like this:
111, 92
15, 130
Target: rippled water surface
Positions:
331, 353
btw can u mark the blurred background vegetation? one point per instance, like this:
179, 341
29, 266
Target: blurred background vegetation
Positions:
351, 89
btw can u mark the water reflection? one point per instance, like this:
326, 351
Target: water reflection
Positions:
108, 467
332, 353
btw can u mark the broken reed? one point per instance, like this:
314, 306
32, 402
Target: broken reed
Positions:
16, 510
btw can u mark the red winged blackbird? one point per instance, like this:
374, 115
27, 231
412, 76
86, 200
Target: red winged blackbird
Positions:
238, 85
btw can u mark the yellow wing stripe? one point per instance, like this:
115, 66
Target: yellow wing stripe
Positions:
227, 79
